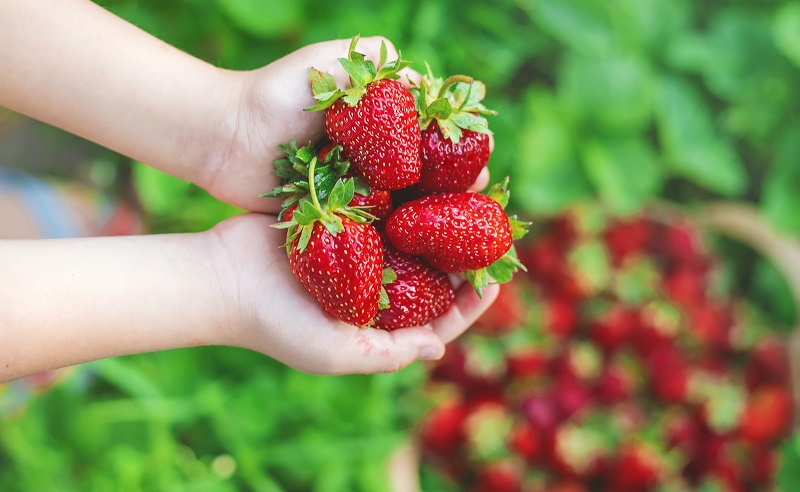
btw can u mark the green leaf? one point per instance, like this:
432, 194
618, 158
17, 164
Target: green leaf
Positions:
691, 142
504, 268
786, 31
788, 478
613, 93
159, 192
439, 109
781, 192
263, 19
341, 194
479, 279
583, 25
499, 192
388, 276
321, 83
548, 176
626, 172
518, 228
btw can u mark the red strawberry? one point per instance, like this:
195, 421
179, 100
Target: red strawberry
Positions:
615, 328
637, 468
561, 318
544, 258
342, 270
686, 284
769, 363
507, 313
443, 429
460, 232
542, 412
711, 325
768, 415
455, 135
526, 441
449, 166
499, 477
527, 363
333, 251
417, 293
629, 237
375, 120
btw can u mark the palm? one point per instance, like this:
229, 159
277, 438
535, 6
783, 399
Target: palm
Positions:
283, 320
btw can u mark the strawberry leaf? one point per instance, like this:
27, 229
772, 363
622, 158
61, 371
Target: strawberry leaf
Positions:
450, 130
479, 279
321, 83
439, 109
518, 227
388, 276
384, 55
504, 268
470, 121
341, 194
499, 192
383, 300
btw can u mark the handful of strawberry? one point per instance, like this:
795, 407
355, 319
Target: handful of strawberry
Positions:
365, 262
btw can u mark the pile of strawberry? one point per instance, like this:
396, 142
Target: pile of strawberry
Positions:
617, 364
379, 214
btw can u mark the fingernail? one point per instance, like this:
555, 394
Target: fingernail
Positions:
429, 353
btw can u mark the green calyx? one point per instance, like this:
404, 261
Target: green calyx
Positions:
294, 172
503, 269
362, 72
387, 277
454, 103
321, 197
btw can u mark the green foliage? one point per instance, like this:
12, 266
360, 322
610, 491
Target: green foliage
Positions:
209, 419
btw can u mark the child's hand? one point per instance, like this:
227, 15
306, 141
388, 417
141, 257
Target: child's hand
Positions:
270, 112
272, 313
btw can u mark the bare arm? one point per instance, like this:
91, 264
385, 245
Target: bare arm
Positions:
68, 301
76, 66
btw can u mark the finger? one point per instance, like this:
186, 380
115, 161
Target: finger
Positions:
481, 181
467, 308
369, 350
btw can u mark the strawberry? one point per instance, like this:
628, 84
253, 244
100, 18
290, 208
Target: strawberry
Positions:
769, 363
416, 292
615, 328
507, 313
637, 468
374, 120
460, 232
768, 415
500, 476
455, 135
333, 251
443, 429
526, 441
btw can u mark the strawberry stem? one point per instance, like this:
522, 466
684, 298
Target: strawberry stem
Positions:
451, 81
311, 188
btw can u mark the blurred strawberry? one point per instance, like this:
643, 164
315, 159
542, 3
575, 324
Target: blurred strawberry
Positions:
637, 468
572, 396
442, 431
768, 363
626, 238
615, 328
561, 318
686, 284
668, 372
542, 412
619, 381
523, 364
526, 441
763, 465
543, 257
711, 324
507, 313
502, 476
768, 415
680, 243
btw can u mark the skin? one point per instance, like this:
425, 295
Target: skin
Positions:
74, 300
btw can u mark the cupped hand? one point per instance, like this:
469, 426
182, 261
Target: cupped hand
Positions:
271, 312
268, 112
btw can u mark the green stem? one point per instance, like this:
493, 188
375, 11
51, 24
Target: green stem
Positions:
311, 187
455, 79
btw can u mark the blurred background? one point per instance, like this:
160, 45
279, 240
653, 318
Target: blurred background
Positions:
650, 111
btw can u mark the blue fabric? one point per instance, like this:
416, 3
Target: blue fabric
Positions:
43, 202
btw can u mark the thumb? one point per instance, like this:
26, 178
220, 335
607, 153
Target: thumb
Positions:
367, 351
